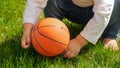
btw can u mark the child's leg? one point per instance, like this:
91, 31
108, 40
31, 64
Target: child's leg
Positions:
52, 9
113, 28
66, 8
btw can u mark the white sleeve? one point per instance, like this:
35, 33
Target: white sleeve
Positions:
32, 10
102, 12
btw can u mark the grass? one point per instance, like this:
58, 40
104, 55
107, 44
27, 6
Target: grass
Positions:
13, 56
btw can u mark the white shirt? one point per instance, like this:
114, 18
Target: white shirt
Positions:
92, 31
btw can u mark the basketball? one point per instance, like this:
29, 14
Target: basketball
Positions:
50, 37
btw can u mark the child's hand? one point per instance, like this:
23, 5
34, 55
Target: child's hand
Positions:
74, 47
25, 40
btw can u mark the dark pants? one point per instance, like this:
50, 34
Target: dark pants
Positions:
65, 8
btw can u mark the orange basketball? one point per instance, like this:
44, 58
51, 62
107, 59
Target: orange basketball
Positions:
50, 37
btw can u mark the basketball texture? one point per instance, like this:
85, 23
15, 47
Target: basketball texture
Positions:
50, 37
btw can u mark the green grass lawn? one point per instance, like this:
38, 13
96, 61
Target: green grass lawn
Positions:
13, 56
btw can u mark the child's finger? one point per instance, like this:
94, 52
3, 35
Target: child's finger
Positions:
68, 54
23, 42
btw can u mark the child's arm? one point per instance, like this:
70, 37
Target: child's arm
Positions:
32, 11
102, 11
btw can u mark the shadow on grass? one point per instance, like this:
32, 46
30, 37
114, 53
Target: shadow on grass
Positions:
13, 54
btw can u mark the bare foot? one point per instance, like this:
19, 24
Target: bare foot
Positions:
110, 44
